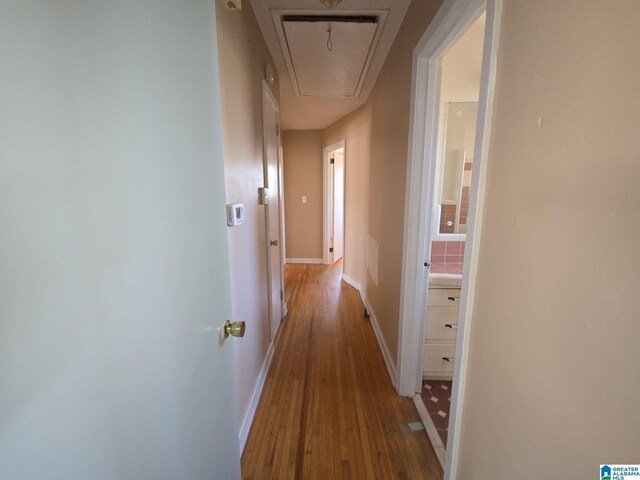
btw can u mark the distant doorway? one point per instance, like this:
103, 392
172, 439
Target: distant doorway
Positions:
334, 196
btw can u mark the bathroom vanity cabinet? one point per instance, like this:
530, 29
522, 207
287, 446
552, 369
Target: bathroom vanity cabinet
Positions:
440, 332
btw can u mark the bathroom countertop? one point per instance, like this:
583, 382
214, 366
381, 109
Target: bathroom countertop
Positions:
444, 280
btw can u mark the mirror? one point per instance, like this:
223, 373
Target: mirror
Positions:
460, 135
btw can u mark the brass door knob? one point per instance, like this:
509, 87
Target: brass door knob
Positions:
274, 243
235, 329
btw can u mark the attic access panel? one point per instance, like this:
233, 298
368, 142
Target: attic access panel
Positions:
329, 55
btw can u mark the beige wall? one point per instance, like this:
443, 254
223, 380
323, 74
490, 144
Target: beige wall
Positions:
303, 176
242, 55
376, 157
355, 128
554, 370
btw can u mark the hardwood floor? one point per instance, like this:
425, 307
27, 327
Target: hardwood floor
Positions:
328, 408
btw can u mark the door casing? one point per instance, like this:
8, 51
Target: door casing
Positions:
327, 201
273, 210
451, 21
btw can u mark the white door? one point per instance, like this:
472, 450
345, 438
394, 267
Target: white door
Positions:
271, 147
114, 276
338, 205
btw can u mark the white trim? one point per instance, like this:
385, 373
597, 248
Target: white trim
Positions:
429, 426
283, 239
255, 398
388, 361
354, 283
474, 232
278, 22
314, 261
327, 190
267, 96
451, 21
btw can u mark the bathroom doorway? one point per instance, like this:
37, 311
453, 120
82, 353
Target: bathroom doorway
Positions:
459, 95
454, 76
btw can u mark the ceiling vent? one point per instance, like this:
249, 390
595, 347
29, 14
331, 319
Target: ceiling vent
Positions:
328, 56
331, 3
233, 4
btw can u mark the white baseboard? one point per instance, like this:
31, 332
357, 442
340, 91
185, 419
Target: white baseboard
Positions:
255, 398
391, 366
353, 283
305, 260
434, 437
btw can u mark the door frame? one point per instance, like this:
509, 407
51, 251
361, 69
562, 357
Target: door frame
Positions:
283, 242
267, 95
451, 21
327, 190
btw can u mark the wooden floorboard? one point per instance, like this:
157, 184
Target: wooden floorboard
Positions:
328, 408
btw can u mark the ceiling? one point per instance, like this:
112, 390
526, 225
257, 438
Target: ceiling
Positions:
323, 79
462, 65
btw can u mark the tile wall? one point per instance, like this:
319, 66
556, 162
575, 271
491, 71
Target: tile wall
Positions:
447, 257
464, 206
447, 214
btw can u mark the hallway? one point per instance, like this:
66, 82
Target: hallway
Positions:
328, 408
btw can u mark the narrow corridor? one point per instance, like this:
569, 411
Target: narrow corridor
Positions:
328, 408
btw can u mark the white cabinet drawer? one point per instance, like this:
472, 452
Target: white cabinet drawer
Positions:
437, 318
439, 297
433, 364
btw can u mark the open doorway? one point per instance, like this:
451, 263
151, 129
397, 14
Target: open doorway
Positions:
334, 195
459, 95
454, 74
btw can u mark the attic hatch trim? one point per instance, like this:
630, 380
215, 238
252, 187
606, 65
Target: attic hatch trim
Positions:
278, 21
331, 18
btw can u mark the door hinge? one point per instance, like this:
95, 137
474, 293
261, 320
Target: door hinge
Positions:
263, 196
332, 161
277, 129
331, 250
281, 295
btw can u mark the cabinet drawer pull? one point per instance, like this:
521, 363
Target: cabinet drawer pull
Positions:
449, 359
451, 325
453, 299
